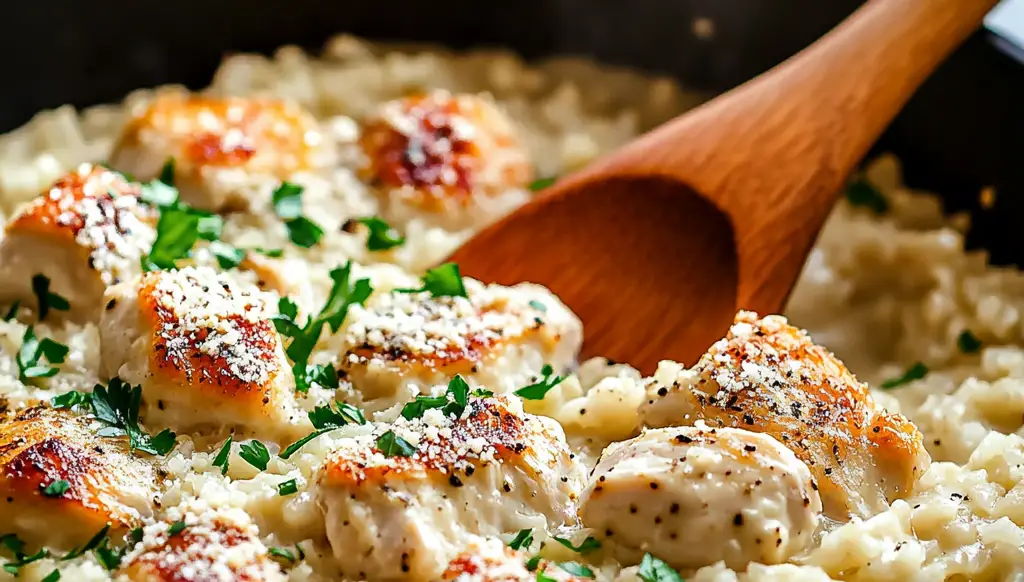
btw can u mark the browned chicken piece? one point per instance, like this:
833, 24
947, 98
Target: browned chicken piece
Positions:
403, 499
86, 232
106, 484
768, 376
493, 561
400, 345
218, 143
201, 544
455, 161
202, 347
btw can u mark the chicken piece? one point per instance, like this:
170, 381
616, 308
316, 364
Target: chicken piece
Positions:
767, 376
493, 561
214, 545
203, 348
401, 344
87, 232
453, 161
219, 145
494, 470
106, 483
698, 495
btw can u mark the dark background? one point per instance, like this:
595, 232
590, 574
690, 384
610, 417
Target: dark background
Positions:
962, 131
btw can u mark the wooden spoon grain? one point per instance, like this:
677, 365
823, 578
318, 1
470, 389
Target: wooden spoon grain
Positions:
657, 246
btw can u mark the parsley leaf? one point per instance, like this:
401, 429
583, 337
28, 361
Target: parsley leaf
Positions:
862, 193
287, 487
287, 199
21, 559
442, 281
32, 350
482, 393
108, 557
522, 540
92, 544
45, 299
540, 389
532, 563
71, 399
117, 406
255, 453
325, 376
543, 183
538, 305
53, 576
221, 460
968, 343
542, 577
228, 257
915, 372
586, 546
453, 402
576, 569
304, 232
654, 570
281, 553
176, 528
382, 236
167, 173
57, 488
392, 445
12, 313
324, 420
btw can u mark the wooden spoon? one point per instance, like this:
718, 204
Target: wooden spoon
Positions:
658, 245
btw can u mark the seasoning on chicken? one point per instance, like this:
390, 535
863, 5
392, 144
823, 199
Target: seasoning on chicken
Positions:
200, 544
767, 376
219, 144
455, 161
403, 500
203, 348
696, 496
86, 232
105, 483
493, 561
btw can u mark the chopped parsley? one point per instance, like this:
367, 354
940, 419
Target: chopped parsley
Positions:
453, 402
542, 577
167, 172
116, 405
576, 569
71, 399
382, 236
915, 372
281, 553
538, 305
17, 547
287, 487
255, 453
57, 488
654, 570
90, 545
586, 546
33, 350
442, 281
543, 183
136, 535
325, 376
540, 389
343, 295
12, 313
272, 253
176, 528
228, 257
482, 393
223, 455
862, 193
287, 199
531, 564
52, 576
108, 557
968, 343
392, 445
522, 540
45, 299
324, 420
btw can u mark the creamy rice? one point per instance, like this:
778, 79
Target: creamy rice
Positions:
883, 292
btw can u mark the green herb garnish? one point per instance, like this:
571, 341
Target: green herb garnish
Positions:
542, 183
57, 488
862, 193
538, 305
71, 399
531, 564
382, 236
53, 576
90, 545
392, 445
45, 299
223, 456
17, 547
443, 281
324, 420
117, 406
287, 199
325, 376
654, 570
12, 313
176, 528
255, 453
281, 553
540, 389
287, 488
453, 402
522, 540
576, 569
33, 351
915, 372
968, 343
482, 393
108, 557
586, 546
228, 257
